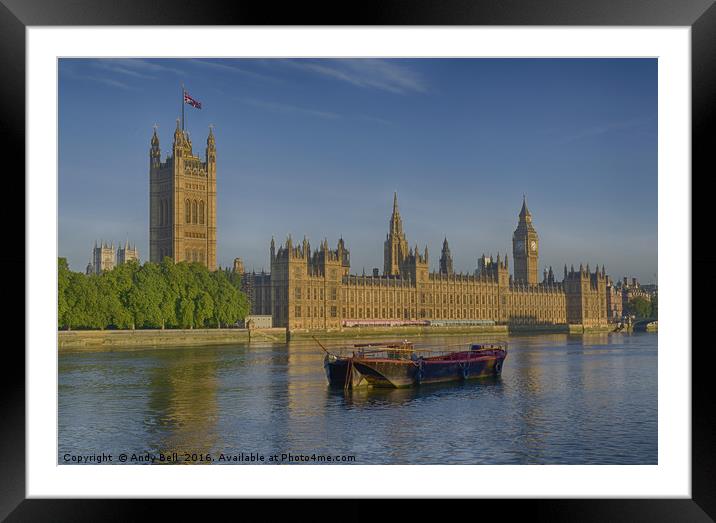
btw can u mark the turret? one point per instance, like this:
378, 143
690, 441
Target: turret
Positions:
154, 152
210, 147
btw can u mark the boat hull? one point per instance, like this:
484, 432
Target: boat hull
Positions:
337, 370
407, 373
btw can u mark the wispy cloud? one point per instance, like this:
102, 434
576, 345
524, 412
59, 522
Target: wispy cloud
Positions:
111, 82
286, 108
600, 130
366, 72
224, 67
374, 119
143, 65
72, 73
112, 67
120, 72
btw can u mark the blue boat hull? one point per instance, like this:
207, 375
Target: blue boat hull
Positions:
407, 373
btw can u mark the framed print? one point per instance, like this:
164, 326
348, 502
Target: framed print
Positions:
398, 256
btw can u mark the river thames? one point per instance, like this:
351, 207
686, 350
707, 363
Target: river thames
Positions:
561, 399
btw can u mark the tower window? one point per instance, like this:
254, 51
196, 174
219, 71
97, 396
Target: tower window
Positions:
193, 212
187, 211
201, 212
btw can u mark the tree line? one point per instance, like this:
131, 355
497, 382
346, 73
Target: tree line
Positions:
643, 308
153, 295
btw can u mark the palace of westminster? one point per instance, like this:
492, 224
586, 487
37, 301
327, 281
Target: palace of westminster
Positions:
314, 289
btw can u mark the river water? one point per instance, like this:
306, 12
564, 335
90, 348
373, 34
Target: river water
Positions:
561, 399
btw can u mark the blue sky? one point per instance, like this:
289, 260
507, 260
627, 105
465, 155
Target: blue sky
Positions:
317, 147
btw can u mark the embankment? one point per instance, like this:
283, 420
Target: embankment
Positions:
108, 340
417, 331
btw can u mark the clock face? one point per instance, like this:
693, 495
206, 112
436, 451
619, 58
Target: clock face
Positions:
533, 245
520, 245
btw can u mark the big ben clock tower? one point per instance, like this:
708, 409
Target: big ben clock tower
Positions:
525, 248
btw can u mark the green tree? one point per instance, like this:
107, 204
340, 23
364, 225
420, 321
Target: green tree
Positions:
229, 303
188, 291
115, 286
655, 306
640, 307
76, 295
171, 292
63, 283
144, 298
203, 308
152, 295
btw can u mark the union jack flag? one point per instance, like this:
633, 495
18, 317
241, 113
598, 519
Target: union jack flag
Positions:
189, 100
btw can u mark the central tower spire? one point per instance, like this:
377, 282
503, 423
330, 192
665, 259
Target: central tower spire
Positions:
396, 245
446, 259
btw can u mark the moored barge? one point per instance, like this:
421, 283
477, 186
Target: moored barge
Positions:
339, 367
399, 364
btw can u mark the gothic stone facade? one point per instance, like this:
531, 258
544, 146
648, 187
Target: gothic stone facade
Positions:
314, 289
103, 257
127, 253
182, 202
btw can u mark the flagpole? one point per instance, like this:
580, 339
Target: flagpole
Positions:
182, 106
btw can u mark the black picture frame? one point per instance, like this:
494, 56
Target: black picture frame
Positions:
699, 15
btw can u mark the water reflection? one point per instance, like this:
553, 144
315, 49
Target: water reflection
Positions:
560, 399
183, 408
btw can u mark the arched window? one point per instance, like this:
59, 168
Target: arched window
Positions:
187, 211
201, 255
201, 212
188, 255
193, 212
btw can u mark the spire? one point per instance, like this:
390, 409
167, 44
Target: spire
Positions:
178, 134
396, 245
446, 265
524, 212
155, 138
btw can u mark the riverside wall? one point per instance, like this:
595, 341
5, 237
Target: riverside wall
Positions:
109, 340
